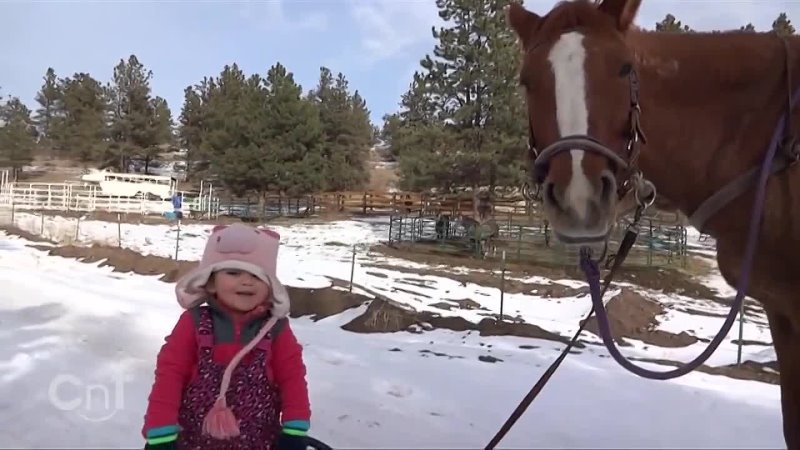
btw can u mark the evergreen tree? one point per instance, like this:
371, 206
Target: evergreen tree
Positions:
81, 130
50, 99
234, 140
136, 128
749, 28
17, 135
670, 24
192, 129
346, 129
293, 136
467, 95
783, 26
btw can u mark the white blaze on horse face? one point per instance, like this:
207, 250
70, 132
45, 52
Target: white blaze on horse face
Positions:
567, 58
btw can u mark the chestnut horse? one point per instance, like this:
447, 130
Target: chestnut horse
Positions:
690, 112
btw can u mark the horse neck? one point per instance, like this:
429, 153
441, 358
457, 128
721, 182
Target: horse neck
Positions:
710, 103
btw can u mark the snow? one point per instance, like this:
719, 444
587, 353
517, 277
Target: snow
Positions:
72, 331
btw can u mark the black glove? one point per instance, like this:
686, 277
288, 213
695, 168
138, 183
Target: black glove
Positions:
291, 442
172, 445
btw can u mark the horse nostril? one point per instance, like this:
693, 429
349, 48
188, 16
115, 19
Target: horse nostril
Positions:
607, 182
550, 193
540, 173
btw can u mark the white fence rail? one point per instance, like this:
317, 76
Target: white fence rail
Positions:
87, 198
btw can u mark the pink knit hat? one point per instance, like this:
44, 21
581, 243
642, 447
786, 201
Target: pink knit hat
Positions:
238, 247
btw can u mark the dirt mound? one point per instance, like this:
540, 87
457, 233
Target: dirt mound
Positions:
125, 260
492, 327
633, 316
383, 316
318, 303
10, 229
466, 304
322, 303
748, 370
387, 316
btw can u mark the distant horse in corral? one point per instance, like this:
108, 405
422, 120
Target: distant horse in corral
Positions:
481, 233
690, 112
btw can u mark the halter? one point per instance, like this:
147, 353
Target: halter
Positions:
627, 165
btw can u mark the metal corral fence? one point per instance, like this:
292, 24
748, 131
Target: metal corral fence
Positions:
662, 239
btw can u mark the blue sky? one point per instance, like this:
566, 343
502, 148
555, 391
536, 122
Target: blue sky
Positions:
377, 44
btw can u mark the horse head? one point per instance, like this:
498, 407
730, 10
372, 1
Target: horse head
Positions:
581, 89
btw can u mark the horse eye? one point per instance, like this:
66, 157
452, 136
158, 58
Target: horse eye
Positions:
625, 70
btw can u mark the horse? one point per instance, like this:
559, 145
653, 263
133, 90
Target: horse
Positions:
693, 113
481, 232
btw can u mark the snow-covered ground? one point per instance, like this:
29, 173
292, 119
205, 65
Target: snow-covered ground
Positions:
312, 254
61, 318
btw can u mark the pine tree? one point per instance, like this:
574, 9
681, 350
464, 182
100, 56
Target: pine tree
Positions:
135, 129
192, 129
670, 24
82, 128
749, 28
17, 135
293, 134
347, 132
234, 139
783, 26
50, 100
469, 88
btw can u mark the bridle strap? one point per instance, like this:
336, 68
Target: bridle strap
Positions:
627, 165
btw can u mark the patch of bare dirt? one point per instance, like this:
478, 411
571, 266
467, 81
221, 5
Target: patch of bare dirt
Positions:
125, 260
383, 317
466, 304
633, 316
431, 256
387, 316
491, 279
749, 370
10, 229
322, 303
318, 303
667, 280
493, 327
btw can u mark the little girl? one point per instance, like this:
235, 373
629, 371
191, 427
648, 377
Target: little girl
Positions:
231, 373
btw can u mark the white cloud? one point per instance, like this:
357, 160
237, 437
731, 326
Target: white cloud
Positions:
271, 15
390, 27
708, 15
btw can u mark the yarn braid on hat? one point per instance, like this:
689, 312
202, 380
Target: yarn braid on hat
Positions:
235, 247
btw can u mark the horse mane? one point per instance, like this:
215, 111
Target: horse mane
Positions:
574, 14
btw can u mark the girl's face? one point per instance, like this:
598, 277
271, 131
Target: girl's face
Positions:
239, 290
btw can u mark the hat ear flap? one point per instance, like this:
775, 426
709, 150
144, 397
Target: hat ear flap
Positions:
280, 298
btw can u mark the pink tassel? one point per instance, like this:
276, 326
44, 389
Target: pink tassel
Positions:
220, 422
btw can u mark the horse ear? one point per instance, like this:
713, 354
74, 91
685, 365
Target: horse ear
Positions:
522, 21
623, 11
